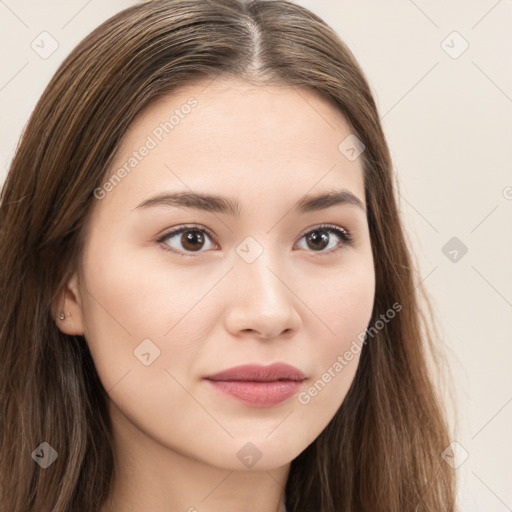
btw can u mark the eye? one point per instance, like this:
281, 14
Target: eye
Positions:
193, 239
320, 237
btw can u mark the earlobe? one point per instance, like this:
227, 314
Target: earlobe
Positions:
68, 312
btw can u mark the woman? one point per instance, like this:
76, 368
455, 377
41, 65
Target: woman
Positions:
208, 299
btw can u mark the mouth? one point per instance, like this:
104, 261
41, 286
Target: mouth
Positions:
258, 386
259, 373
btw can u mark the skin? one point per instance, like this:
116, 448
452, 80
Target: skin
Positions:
176, 439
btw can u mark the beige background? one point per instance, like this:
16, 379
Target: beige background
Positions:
448, 119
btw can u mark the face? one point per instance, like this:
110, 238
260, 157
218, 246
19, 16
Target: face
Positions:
173, 291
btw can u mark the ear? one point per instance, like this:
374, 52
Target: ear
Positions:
69, 302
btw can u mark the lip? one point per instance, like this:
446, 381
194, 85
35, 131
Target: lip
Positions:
259, 373
257, 385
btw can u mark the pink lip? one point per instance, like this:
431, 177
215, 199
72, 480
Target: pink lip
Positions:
259, 386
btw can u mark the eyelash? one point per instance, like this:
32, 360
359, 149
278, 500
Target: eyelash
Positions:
342, 233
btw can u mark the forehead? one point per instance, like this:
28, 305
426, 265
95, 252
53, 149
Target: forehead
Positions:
231, 136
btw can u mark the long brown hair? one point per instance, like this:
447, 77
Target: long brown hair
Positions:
382, 450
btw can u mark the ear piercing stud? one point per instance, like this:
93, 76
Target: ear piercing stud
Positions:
63, 316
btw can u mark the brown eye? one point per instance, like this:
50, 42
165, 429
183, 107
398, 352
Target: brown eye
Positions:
321, 238
191, 239
317, 240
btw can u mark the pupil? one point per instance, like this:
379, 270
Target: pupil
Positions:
322, 239
191, 238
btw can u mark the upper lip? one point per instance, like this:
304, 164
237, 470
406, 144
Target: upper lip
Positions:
259, 373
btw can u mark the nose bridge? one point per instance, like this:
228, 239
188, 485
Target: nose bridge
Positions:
262, 301
256, 267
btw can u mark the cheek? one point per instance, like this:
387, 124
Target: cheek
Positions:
136, 304
343, 300
344, 305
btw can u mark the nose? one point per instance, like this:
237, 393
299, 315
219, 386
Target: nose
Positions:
261, 302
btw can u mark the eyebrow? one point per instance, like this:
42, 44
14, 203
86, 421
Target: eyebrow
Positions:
221, 204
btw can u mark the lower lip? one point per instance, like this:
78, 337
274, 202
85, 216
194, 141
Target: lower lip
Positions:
258, 394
